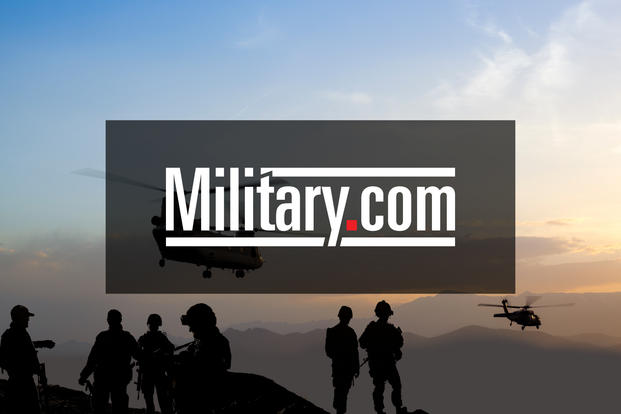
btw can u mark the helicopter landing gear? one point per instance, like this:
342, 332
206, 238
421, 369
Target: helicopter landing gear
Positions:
240, 273
207, 274
162, 262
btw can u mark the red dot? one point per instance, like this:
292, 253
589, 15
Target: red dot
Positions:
351, 225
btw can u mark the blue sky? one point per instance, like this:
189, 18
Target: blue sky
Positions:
69, 66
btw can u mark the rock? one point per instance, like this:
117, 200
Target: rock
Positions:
249, 394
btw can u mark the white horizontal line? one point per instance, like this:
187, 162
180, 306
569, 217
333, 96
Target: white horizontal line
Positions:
359, 172
309, 241
398, 242
244, 241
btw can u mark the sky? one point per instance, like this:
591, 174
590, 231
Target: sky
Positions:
67, 67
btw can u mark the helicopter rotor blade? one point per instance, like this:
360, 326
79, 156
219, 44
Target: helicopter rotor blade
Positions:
559, 305
500, 306
90, 172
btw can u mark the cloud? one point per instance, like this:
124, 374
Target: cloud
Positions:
491, 82
534, 247
65, 288
489, 28
555, 250
357, 98
514, 80
596, 276
560, 222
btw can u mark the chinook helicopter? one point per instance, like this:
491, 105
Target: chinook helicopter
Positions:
238, 259
524, 316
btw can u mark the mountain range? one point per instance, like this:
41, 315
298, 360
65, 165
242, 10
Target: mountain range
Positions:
591, 313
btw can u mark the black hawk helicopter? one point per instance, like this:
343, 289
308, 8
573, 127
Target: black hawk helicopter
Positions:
524, 316
237, 259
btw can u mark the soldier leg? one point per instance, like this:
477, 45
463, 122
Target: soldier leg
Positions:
163, 396
342, 384
378, 393
22, 396
12, 396
32, 395
147, 390
119, 397
101, 394
395, 382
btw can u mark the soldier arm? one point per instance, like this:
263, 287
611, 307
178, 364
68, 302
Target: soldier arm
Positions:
356, 357
4, 353
170, 347
91, 362
226, 353
133, 346
47, 343
364, 338
328, 345
398, 343
140, 349
399, 338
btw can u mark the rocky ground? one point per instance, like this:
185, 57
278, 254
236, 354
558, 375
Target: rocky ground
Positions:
253, 394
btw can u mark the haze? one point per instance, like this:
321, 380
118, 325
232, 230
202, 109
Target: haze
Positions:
68, 67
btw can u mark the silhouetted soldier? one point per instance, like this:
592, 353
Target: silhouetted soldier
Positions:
201, 369
110, 361
19, 358
383, 342
342, 349
154, 358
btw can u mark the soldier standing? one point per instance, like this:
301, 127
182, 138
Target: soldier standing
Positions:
383, 342
19, 358
201, 369
154, 358
110, 361
342, 349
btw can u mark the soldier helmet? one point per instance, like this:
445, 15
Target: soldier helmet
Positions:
114, 317
345, 312
154, 319
199, 314
19, 312
383, 309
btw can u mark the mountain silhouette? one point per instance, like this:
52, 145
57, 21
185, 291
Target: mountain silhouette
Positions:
443, 313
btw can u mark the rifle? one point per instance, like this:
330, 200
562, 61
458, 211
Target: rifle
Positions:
180, 347
42, 376
42, 380
48, 343
364, 361
138, 382
88, 386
